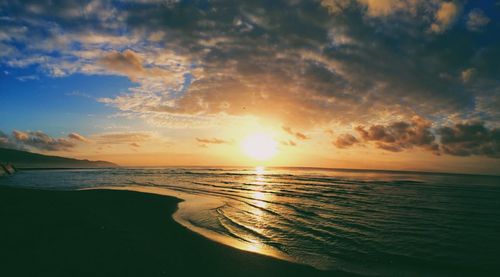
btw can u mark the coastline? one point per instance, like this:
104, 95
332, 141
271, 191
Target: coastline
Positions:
102, 232
189, 205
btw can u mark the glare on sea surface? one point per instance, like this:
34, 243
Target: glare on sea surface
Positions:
260, 146
259, 170
258, 193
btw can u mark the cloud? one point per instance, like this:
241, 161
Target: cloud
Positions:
20, 136
445, 17
80, 94
321, 63
460, 139
387, 7
345, 141
6, 142
443, 13
374, 8
329, 132
78, 137
301, 136
38, 140
467, 74
288, 143
470, 138
135, 145
476, 19
336, 6
212, 141
27, 78
121, 138
127, 62
41, 141
401, 135
298, 135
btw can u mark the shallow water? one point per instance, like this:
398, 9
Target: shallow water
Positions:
365, 222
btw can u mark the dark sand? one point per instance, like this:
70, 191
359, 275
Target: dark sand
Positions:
115, 233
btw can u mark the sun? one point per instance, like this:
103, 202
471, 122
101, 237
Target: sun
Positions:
260, 146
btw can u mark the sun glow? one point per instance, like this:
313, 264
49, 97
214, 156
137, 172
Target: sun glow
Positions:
260, 146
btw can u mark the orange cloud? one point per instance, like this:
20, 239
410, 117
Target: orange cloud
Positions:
444, 17
345, 140
211, 141
298, 135
127, 62
122, 138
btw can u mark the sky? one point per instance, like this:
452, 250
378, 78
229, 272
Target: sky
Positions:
376, 84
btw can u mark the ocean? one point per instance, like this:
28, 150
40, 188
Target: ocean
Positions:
370, 223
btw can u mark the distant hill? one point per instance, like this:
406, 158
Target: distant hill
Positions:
24, 159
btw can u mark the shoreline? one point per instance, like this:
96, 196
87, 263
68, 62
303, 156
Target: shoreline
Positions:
102, 232
189, 204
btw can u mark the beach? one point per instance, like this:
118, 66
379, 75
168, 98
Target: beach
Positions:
115, 233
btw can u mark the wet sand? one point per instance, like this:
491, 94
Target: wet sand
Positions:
115, 233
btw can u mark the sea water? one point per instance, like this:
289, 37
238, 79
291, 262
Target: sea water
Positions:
371, 223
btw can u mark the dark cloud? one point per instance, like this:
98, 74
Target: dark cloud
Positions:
400, 135
477, 19
38, 140
472, 138
463, 139
5, 141
345, 141
307, 67
41, 141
